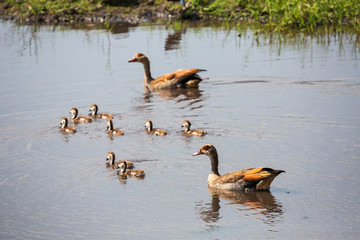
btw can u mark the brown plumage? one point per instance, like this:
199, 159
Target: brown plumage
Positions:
244, 179
154, 131
65, 127
111, 130
74, 116
94, 112
183, 78
111, 157
131, 173
193, 132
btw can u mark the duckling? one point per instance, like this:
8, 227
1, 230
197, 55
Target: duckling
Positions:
194, 132
65, 127
131, 173
111, 156
154, 131
74, 116
94, 109
111, 130
247, 179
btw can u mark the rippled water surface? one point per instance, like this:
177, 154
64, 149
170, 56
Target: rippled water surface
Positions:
291, 104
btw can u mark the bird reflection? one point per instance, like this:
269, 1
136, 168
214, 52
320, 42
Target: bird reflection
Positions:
122, 178
186, 94
191, 96
260, 203
209, 213
173, 40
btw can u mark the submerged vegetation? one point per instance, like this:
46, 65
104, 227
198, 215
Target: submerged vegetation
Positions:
276, 15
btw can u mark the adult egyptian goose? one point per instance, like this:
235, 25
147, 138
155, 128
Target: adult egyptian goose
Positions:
111, 130
244, 179
94, 112
193, 132
111, 156
131, 173
181, 78
154, 131
65, 127
74, 116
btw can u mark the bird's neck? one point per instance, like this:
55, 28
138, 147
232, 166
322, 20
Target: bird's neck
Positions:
147, 74
110, 126
214, 163
73, 115
94, 113
123, 167
112, 161
64, 124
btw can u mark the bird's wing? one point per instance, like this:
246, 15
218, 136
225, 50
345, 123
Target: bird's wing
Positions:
180, 76
248, 174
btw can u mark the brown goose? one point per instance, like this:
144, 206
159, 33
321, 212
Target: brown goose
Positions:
154, 131
181, 78
94, 112
111, 156
132, 173
244, 179
65, 127
193, 132
111, 130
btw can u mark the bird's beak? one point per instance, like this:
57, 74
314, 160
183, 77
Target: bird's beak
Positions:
197, 153
132, 59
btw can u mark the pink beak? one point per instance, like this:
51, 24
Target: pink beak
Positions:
132, 59
197, 153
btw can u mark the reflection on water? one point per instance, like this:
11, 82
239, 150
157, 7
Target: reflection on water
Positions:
192, 97
261, 204
175, 30
209, 212
173, 39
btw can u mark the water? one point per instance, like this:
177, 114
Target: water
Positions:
291, 105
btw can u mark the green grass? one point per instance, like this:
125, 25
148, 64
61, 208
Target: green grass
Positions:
284, 14
274, 15
38, 7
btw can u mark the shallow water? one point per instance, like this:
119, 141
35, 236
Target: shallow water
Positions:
292, 105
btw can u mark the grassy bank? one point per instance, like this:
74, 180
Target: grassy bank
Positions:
275, 15
284, 14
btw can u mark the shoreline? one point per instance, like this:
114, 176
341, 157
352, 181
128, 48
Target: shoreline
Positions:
98, 12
